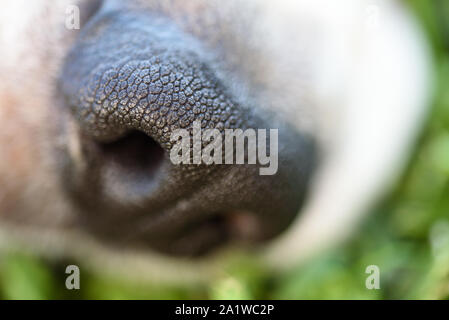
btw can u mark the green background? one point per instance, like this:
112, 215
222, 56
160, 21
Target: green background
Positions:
407, 234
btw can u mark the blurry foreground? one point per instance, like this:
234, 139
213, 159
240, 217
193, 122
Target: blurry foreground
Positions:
406, 236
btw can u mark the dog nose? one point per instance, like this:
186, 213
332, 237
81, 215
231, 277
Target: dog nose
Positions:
131, 82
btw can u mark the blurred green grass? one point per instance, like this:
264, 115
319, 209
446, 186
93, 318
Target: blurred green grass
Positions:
407, 234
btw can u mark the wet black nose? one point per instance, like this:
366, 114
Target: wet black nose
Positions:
131, 81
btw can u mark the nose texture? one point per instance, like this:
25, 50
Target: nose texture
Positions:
129, 82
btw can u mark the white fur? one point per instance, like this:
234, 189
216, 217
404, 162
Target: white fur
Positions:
372, 88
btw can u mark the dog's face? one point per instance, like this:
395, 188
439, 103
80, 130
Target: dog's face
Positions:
87, 116
104, 102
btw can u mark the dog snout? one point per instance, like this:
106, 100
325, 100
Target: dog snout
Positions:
130, 83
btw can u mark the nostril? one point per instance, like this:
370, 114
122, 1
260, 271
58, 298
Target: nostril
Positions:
135, 151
